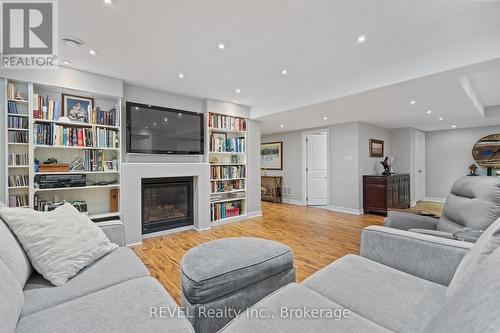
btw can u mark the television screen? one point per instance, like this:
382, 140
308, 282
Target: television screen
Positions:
159, 130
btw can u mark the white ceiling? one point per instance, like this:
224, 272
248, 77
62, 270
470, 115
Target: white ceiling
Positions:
150, 42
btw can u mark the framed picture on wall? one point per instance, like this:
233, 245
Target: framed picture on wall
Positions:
271, 156
77, 108
376, 148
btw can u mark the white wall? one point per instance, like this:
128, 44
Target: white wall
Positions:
253, 168
448, 155
349, 160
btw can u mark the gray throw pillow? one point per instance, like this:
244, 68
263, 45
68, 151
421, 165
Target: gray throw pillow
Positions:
59, 243
485, 245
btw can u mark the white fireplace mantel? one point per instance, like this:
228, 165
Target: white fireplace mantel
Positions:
133, 173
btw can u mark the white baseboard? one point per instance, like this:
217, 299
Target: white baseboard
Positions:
353, 211
254, 214
134, 244
293, 202
431, 199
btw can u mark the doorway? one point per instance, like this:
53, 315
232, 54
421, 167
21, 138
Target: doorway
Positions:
315, 165
419, 166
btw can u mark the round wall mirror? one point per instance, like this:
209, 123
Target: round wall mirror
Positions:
486, 151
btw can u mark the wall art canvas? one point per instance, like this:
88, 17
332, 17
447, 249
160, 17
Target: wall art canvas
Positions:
271, 156
376, 148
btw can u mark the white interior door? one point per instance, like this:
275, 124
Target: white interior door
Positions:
317, 169
419, 166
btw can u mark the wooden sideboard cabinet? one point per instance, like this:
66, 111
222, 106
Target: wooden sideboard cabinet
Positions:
382, 193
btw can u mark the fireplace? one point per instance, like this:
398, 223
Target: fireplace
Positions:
167, 203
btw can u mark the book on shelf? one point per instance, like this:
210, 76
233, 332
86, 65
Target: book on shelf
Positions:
17, 137
18, 159
11, 90
227, 171
17, 122
227, 185
224, 210
46, 108
232, 145
101, 117
60, 135
12, 107
218, 121
18, 200
18, 180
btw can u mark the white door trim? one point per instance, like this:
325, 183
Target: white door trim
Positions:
420, 195
304, 161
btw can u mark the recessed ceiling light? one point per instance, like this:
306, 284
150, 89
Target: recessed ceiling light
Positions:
221, 46
137, 108
429, 111
325, 118
361, 39
108, 2
282, 125
238, 90
66, 62
92, 52
179, 115
181, 76
453, 126
412, 102
73, 41
236, 101
284, 71
154, 124
441, 118
165, 119
146, 127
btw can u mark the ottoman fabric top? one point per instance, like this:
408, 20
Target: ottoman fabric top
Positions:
220, 267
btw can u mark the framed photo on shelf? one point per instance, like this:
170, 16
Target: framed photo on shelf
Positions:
376, 148
271, 156
109, 166
77, 108
220, 141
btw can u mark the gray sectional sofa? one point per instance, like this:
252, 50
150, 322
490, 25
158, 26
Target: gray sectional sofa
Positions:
115, 294
473, 203
401, 283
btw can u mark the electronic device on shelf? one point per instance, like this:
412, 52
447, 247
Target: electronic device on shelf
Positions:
60, 181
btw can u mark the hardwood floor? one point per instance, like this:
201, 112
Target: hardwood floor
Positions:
317, 237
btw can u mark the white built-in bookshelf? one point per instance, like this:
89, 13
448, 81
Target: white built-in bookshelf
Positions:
40, 134
227, 140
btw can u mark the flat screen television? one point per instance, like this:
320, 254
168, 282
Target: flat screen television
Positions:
159, 130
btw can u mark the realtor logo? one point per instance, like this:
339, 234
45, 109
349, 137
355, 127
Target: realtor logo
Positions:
29, 34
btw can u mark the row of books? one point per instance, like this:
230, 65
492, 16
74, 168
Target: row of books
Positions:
227, 171
233, 145
93, 160
18, 180
17, 137
12, 107
57, 135
17, 122
226, 122
18, 200
18, 159
226, 209
46, 108
101, 117
228, 185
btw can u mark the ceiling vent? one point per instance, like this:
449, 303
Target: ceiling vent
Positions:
73, 41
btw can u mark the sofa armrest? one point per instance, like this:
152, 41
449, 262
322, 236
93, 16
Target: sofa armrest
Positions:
428, 257
405, 221
114, 230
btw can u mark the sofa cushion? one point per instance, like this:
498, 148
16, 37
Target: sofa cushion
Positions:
125, 307
220, 267
395, 300
488, 242
473, 202
284, 311
11, 299
118, 266
13, 255
59, 243
474, 307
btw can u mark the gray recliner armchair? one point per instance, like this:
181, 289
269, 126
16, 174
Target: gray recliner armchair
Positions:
473, 204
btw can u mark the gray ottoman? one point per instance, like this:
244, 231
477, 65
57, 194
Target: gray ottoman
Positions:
225, 277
